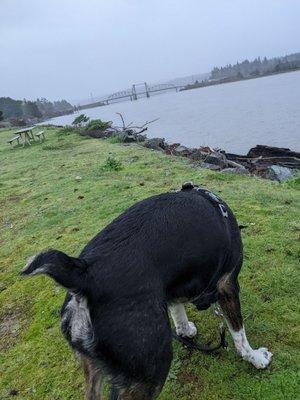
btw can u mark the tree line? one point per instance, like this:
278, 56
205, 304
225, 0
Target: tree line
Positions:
26, 109
258, 66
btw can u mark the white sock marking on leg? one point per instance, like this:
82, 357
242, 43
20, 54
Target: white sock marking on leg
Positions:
183, 326
260, 358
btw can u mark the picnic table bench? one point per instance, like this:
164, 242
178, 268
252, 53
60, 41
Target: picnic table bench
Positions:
41, 135
17, 138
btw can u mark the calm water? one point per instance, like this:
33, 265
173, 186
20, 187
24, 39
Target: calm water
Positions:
233, 116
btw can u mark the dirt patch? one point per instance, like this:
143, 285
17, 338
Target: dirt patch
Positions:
191, 381
12, 323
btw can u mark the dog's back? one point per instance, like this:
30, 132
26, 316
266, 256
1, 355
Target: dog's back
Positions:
163, 242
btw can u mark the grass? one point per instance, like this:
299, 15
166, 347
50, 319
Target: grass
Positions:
61, 193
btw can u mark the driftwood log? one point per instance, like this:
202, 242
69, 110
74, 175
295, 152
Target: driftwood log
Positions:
260, 157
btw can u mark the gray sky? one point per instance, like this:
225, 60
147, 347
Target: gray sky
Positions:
69, 48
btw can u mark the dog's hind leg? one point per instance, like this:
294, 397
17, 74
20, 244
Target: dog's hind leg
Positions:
93, 379
140, 392
114, 393
183, 326
228, 298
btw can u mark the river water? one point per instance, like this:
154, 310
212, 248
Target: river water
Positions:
234, 116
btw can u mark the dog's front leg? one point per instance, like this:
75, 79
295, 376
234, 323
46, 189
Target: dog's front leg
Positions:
183, 326
260, 358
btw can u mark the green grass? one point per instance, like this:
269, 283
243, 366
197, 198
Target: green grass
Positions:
44, 203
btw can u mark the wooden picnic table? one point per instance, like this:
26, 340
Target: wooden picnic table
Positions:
26, 134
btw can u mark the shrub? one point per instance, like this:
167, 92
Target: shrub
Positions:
78, 121
111, 164
98, 125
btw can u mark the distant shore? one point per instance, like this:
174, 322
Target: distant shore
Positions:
236, 78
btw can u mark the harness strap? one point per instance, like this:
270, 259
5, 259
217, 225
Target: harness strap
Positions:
208, 194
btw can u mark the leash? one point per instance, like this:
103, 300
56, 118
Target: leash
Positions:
191, 344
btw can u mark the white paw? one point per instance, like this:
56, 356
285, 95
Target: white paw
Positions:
260, 358
189, 330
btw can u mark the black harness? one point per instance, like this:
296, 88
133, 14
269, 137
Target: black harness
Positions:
190, 343
208, 195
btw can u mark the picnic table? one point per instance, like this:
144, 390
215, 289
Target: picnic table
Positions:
26, 135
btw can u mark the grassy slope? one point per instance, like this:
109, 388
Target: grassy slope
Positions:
43, 205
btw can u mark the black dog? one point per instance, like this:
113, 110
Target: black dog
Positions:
162, 252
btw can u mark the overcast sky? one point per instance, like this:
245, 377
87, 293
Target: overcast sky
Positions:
70, 48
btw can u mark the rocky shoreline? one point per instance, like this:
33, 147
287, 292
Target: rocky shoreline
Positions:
265, 161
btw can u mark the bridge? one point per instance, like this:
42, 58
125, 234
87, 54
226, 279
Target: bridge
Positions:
137, 91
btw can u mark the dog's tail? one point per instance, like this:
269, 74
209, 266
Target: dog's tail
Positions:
69, 272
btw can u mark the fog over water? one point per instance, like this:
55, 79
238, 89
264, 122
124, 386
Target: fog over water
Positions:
234, 116
72, 48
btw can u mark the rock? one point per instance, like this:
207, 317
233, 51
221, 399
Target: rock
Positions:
182, 151
210, 158
236, 170
278, 173
170, 147
217, 159
155, 144
127, 136
213, 167
140, 138
198, 155
78, 178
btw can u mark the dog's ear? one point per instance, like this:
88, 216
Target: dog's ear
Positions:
68, 271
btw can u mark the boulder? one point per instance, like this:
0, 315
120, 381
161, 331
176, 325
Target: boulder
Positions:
155, 144
210, 158
212, 167
182, 151
217, 159
127, 136
169, 148
278, 173
198, 155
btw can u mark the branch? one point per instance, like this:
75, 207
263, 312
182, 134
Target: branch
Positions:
124, 127
121, 116
145, 124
